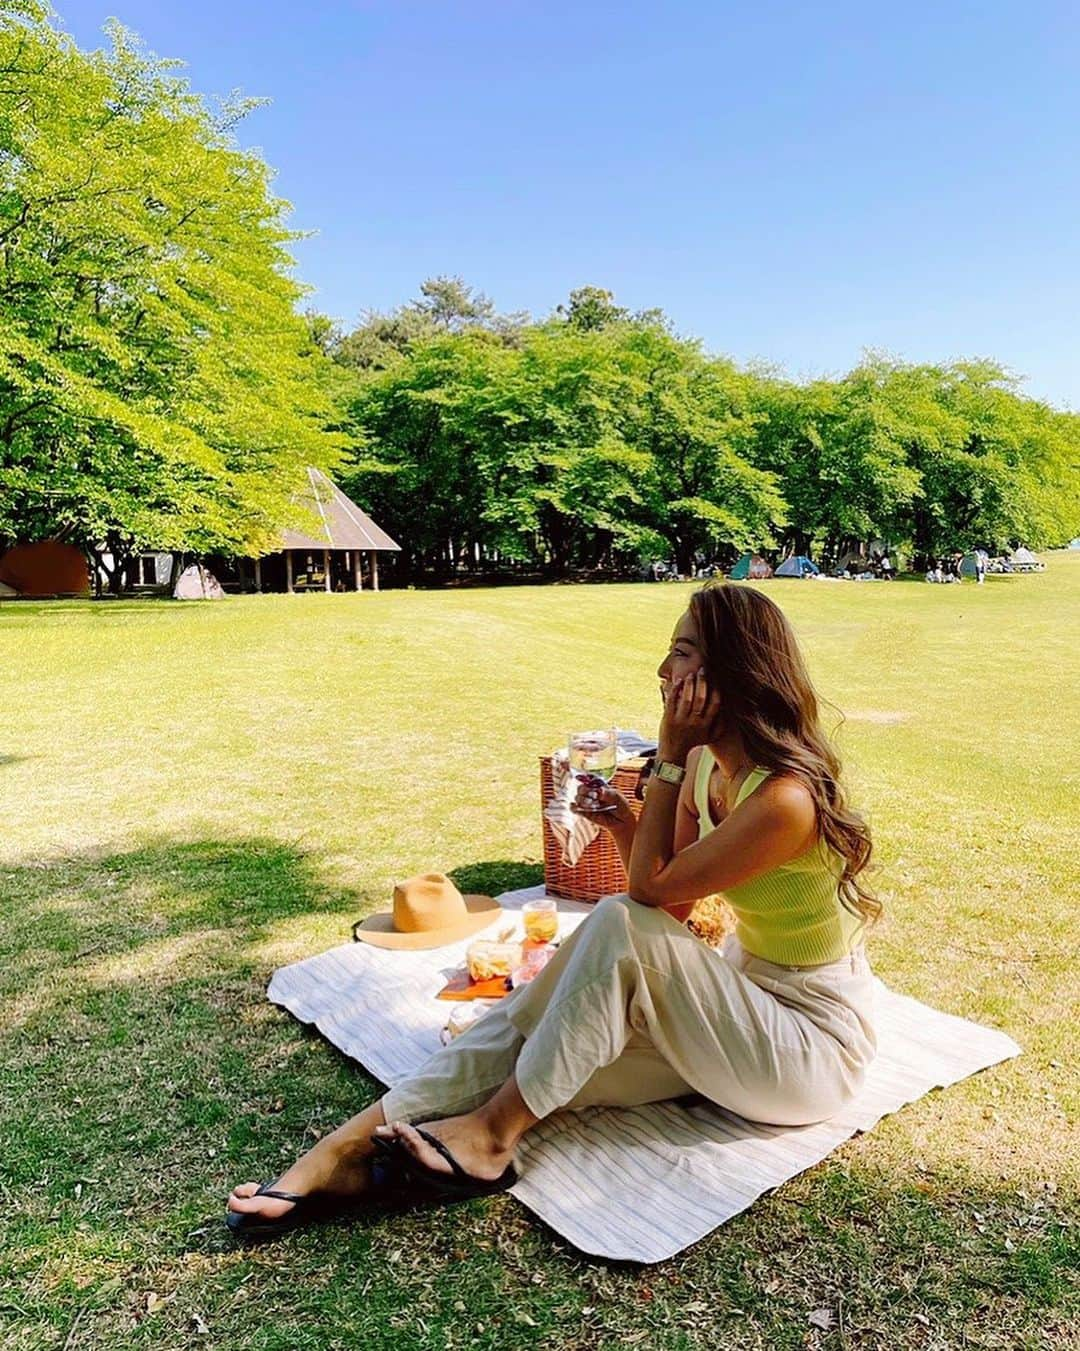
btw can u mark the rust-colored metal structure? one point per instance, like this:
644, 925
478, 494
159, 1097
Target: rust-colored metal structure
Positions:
46, 568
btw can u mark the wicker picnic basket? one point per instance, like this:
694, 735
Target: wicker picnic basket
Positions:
599, 871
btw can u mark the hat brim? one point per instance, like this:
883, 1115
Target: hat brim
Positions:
379, 929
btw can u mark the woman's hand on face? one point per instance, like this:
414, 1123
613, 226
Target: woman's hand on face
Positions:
593, 792
690, 716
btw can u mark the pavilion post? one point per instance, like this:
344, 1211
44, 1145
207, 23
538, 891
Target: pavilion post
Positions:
288, 571
357, 571
258, 575
326, 569
374, 571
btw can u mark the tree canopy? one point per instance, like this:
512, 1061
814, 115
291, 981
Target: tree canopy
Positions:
158, 387
161, 386
599, 434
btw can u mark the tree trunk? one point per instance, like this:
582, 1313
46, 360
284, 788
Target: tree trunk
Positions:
120, 555
684, 557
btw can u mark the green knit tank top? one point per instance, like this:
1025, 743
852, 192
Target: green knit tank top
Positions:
792, 915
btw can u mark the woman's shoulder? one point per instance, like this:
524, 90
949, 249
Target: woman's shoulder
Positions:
788, 800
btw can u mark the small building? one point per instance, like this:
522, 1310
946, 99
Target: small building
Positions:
340, 555
333, 558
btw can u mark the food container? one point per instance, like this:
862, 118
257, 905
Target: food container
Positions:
541, 920
463, 1016
487, 959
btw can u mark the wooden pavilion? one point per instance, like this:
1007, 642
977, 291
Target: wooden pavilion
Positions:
331, 559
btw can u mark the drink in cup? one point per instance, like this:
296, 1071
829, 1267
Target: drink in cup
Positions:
541, 920
593, 753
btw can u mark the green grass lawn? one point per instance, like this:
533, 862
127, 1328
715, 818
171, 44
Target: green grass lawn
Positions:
194, 794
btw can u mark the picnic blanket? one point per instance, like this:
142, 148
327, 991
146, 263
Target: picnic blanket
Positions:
638, 1184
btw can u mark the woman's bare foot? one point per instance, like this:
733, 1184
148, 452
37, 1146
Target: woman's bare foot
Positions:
336, 1167
469, 1138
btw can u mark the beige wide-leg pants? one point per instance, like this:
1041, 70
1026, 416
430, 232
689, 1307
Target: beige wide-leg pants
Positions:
634, 1009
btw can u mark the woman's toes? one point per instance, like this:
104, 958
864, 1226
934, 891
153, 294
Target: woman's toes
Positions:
420, 1149
247, 1201
239, 1195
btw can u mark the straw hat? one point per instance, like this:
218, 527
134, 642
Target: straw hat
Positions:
428, 912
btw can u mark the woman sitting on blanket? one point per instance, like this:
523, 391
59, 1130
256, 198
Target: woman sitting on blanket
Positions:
745, 800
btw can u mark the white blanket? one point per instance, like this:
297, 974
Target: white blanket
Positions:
638, 1184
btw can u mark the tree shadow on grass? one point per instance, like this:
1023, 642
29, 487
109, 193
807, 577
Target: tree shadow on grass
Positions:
165, 914
132, 1102
164, 898
140, 1061
135, 1035
202, 884
493, 878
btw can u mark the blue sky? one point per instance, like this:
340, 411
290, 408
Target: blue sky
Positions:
791, 183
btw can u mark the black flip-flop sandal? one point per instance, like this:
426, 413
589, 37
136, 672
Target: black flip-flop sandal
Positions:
247, 1225
384, 1192
431, 1184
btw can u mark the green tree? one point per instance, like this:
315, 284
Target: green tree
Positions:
570, 447
591, 308
832, 445
157, 386
694, 416
1002, 468
445, 305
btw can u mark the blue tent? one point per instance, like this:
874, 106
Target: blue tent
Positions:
797, 566
969, 564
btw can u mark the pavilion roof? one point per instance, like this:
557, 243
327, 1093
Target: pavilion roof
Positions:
344, 524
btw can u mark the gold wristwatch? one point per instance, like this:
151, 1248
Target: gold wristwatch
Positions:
669, 771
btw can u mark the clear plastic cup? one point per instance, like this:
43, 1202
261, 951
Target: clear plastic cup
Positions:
533, 962
541, 920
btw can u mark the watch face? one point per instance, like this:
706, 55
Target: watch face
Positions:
670, 773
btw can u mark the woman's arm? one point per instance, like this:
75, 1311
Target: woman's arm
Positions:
622, 832
686, 813
621, 824
774, 825
686, 830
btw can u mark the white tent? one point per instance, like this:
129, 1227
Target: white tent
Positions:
196, 583
1023, 560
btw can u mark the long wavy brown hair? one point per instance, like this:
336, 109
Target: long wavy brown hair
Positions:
752, 660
